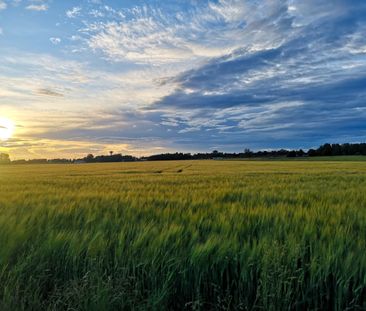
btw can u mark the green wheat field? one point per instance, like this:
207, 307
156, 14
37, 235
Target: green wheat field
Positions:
189, 235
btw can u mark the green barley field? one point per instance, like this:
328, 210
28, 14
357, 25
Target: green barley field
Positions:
189, 235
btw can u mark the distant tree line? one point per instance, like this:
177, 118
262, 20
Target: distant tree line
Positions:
108, 158
224, 155
323, 150
42, 161
88, 159
338, 149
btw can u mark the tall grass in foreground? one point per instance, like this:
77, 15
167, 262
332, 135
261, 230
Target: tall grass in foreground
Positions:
200, 235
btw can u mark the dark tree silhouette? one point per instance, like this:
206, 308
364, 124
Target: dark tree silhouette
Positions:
89, 158
323, 150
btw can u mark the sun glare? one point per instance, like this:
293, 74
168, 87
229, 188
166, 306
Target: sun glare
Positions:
6, 128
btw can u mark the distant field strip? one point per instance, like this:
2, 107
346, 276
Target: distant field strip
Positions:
187, 235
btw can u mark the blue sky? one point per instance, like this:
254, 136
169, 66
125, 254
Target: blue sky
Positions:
144, 77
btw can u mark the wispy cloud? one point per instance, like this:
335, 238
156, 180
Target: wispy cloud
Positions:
55, 41
3, 5
49, 92
151, 35
74, 12
37, 7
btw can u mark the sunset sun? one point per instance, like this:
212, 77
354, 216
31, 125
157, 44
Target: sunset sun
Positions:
6, 128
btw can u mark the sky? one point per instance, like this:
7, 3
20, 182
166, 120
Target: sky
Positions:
145, 77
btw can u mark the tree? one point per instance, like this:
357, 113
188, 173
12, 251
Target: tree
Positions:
89, 158
291, 154
312, 153
247, 153
325, 150
336, 149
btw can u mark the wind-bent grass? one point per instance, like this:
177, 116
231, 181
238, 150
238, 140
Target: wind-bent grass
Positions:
201, 235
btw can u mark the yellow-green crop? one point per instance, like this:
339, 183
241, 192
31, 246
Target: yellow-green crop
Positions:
195, 235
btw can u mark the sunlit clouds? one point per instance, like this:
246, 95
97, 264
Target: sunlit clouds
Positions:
140, 77
7, 127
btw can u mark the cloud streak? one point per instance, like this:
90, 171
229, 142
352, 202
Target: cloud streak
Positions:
37, 7
48, 92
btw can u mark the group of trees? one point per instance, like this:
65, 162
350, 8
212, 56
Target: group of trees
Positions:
224, 155
107, 158
323, 150
88, 159
43, 161
338, 149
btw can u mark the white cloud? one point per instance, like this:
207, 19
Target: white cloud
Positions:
55, 41
96, 13
37, 7
148, 35
3, 5
75, 38
74, 12
81, 85
1, 31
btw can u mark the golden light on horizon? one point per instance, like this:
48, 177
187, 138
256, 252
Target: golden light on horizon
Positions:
7, 128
